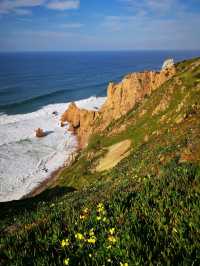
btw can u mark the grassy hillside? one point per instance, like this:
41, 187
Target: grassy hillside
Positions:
144, 211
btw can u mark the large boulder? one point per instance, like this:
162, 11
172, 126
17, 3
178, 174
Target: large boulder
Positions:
39, 133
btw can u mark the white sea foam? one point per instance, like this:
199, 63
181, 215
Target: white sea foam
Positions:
26, 161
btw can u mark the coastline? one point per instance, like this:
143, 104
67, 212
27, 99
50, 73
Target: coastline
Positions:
51, 180
44, 184
25, 175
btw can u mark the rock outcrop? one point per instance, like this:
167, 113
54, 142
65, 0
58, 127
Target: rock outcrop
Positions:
169, 63
81, 122
39, 133
121, 98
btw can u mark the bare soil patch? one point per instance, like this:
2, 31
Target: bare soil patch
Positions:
115, 154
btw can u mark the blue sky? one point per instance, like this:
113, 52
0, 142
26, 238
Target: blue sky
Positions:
63, 25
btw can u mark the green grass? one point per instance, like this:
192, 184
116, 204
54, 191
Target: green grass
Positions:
151, 198
156, 221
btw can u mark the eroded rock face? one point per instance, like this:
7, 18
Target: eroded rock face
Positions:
121, 98
134, 87
72, 115
81, 122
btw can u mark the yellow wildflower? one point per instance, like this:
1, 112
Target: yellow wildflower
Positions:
90, 255
123, 264
98, 218
105, 219
101, 208
108, 260
84, 214
112, 231
66, 261
91, 232
92, 240
100, 205
86, 210
82, 217
79, 236
112, 239
65, 243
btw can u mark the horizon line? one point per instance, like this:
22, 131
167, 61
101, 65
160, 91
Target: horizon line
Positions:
117, 50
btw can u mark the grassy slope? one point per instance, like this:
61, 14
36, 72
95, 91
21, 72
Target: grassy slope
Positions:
151, 198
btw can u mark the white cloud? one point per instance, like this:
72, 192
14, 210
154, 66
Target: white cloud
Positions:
144, 32
23, 7
72, 26
164, 5
159, 7
7, 6
64, 5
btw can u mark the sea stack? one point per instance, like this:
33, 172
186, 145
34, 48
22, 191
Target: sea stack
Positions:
39, 133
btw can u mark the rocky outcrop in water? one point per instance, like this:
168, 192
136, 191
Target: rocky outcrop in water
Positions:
39, 133
121, 98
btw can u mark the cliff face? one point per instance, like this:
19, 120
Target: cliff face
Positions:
121, 98
134, 87
81, 122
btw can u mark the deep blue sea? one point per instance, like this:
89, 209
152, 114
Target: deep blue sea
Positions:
29, 81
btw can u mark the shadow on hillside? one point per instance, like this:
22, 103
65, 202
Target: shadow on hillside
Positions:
29, 204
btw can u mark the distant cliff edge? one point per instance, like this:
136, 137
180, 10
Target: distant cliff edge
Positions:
121, 98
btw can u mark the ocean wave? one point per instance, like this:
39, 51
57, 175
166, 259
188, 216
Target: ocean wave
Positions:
30, 100
43, 96
26, 161
47, 110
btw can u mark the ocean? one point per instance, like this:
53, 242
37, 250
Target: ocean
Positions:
35, 85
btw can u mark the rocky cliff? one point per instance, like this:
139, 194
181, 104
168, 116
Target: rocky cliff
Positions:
121, 98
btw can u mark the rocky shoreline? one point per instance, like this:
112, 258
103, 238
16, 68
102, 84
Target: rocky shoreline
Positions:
121, 98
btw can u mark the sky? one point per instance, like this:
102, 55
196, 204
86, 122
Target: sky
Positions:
71, 25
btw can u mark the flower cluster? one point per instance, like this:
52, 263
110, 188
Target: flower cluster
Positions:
123, 264
65, 243
100, 208
101, 213
112, 239
92, 238
66, 261
84, 214
79, 236
88, 237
